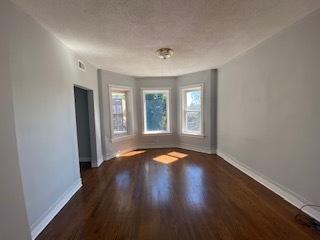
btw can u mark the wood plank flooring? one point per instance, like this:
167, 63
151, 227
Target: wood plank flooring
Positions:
173, 194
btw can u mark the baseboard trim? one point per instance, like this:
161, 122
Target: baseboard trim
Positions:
197, 149
150, 146
113, 155
182, 146
97, 164
43, 221
291, 197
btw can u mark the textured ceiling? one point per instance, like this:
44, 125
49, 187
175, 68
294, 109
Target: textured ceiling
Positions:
122, 35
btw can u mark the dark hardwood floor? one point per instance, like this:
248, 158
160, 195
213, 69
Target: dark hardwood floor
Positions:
173, 194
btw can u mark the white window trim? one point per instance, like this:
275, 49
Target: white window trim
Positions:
144, 117
182, 91
130, 117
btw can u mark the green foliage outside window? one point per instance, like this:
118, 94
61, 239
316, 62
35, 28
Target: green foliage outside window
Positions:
156, 111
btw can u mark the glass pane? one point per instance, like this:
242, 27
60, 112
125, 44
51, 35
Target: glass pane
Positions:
193, 100
156, 111
193, 121
119, 112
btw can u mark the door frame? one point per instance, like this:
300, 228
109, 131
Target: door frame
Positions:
92, 125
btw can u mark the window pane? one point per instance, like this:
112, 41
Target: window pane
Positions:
193, 121
156, 111
119, 112
193, 100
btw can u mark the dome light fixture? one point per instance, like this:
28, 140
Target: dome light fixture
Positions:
164, 53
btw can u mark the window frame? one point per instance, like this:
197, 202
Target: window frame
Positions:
183, 110
145, 91
129, 112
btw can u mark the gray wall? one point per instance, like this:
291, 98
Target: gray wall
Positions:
43, 72
209, 79
206, 144
269, 109
13, 217
83, 128
105, 78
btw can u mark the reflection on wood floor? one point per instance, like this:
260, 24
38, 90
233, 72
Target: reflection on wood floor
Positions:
173, 194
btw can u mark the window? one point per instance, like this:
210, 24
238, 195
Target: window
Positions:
156, 111
192, 114
120, 111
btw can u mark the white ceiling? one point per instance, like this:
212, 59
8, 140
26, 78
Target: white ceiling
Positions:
123, 35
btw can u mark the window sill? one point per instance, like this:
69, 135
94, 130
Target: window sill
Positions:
192, 135
121, 138
156, 133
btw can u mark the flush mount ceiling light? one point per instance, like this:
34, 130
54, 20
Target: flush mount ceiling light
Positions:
164, 53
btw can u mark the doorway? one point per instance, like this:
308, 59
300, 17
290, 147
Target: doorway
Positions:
85, 127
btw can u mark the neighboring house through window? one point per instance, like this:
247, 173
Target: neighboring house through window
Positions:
192, 109
120, 112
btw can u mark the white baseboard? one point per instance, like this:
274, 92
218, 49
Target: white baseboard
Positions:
197, 148
182, 146
44, 220
150, 146
109, 157
97, 164
286, 194
113, 155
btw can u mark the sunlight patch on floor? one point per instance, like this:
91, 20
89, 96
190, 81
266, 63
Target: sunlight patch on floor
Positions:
177, 154
132, 153
170, 157
165, 159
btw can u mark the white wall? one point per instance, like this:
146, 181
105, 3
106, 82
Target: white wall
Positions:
106, 78
269, 109
209, 80
13, 217
43, 73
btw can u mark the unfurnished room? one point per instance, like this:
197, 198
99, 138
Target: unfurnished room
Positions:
160, 119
